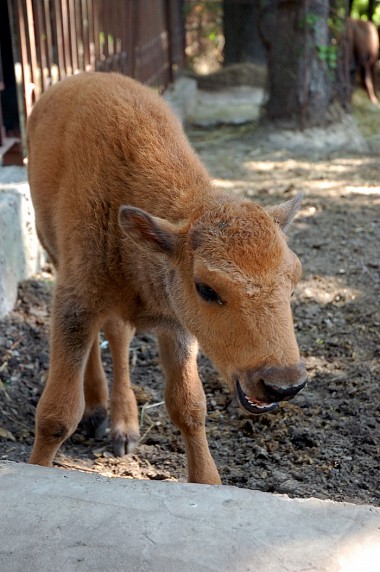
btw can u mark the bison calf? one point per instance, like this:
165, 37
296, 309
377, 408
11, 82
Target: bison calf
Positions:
141, 240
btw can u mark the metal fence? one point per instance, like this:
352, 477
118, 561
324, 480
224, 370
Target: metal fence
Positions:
57, 38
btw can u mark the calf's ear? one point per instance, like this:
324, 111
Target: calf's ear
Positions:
284, 214
151, 231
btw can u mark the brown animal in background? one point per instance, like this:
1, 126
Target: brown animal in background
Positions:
141, 240
364, 51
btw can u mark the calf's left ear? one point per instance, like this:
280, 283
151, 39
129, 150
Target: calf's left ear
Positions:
284, 214
149, 231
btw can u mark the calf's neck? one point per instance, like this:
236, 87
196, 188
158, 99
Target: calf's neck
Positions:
141, 239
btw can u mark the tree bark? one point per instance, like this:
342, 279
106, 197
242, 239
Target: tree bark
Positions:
300, 81
241, 35
371, 9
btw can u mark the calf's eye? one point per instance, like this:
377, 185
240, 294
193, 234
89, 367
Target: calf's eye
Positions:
207, 293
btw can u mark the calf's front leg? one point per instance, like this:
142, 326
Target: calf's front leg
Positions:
62, 403
186, 403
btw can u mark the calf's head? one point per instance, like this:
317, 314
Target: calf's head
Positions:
230, 276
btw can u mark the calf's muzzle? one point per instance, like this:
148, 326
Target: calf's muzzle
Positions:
260, 390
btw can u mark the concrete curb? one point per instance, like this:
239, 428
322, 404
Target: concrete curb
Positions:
71, 521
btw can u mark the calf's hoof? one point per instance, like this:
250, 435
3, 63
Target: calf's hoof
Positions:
124, 444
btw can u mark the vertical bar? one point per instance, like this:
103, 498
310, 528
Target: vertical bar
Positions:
73, 36
35, 76
79, 36
42, 44
104, 24
123, 39
66, 38
91, 33
86, 42
128, 38
134, 36
37, 46
168, 23
97, 12
49, 37
24, 56
61, 57
117, 28
17, 26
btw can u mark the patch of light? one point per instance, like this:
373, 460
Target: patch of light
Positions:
338, 166
364, 556
262, 165
236, 184
308, 212
363, 190
224, 183
326, 289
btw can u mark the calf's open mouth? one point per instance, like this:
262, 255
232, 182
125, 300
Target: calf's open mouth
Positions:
252, 405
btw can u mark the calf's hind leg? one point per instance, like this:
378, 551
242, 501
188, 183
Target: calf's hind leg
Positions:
186, 403
62, 403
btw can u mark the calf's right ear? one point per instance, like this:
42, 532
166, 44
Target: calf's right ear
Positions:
284, 214
147, 230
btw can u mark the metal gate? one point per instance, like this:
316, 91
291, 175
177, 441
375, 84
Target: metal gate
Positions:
53, 39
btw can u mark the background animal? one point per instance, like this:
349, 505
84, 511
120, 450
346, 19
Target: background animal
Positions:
364, 52
142, 240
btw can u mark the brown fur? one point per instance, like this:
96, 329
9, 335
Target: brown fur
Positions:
129, 217
364, 51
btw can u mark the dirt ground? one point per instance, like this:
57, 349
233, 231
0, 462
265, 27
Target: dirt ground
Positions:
326, 442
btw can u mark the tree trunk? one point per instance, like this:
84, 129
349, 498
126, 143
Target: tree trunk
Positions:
300, 80
371, 9
241, 35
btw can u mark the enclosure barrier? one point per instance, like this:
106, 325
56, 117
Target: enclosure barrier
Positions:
53, 39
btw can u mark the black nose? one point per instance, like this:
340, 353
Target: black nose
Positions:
279, 383
278, 393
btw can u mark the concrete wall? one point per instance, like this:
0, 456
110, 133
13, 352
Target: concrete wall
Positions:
20, 253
